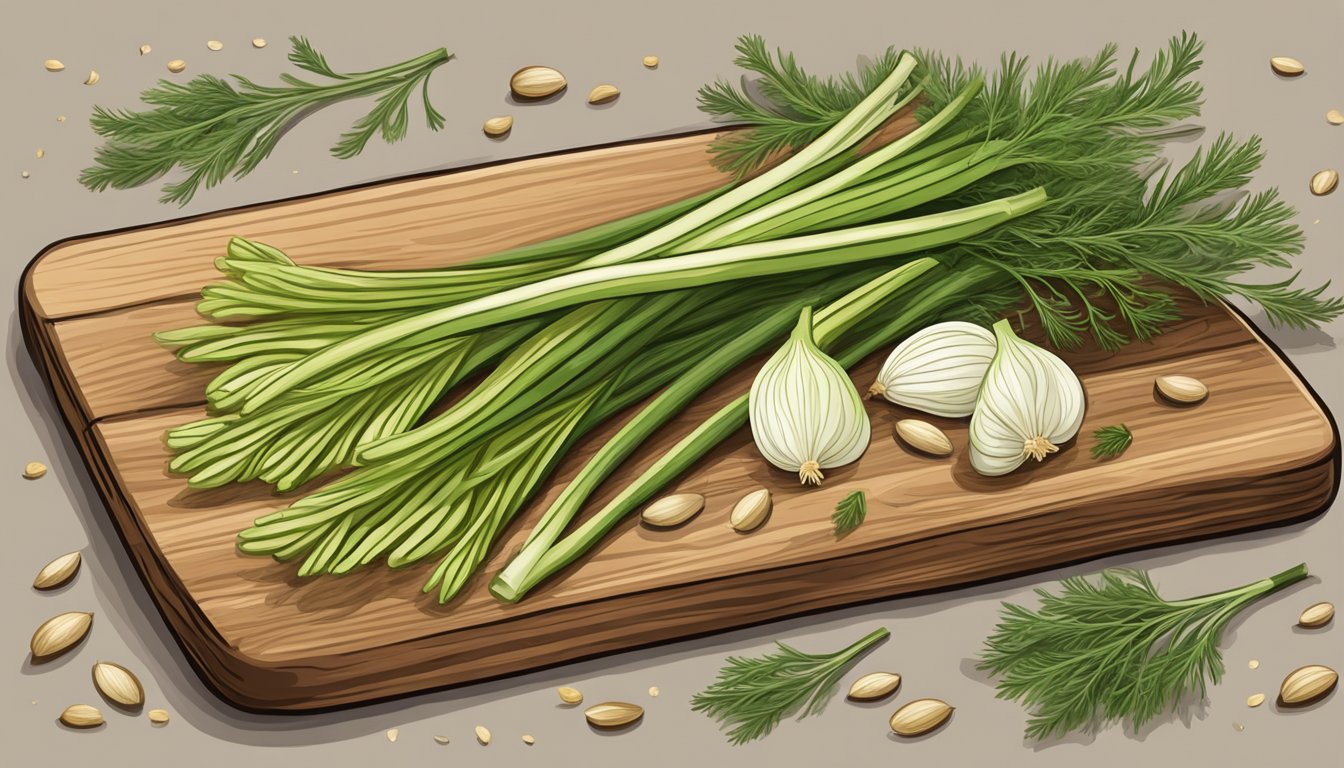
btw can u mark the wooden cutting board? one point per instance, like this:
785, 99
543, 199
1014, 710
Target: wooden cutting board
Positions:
1260, 451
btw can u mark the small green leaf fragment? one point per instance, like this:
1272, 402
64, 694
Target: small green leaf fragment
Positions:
850, 513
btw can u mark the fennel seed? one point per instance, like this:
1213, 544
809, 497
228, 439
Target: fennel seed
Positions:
1287, 66
258, 42
176, 65
214, 45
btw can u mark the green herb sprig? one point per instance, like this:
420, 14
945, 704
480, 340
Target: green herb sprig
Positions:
850, 513
754, 694
211, 128
1113, 650
1111, 441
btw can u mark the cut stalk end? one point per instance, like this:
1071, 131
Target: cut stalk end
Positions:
1039, 447
810, 473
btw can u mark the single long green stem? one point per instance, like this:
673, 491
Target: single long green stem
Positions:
843, 178
843, 314
727, 264
830, 325
875, 108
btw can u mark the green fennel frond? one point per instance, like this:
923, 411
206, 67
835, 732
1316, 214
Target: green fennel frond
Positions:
786, 107
754, 694
211, 128
850, 513
1113, 650
1111, 441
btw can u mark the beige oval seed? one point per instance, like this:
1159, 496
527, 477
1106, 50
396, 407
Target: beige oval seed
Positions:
1317, 615
653, 691
59, 634
751, 511
924, 437
34, 469
1287, 66
92, 79
570, 695
53, 65
603, 93
258, 42
1324, 182
537, 82
1255, 699
1253, 664
498, 126
441, 739
392, 734
483, 735
613, 714
82, 716
158, 716
176, 65
1334, 117
25, 174
1182, 389
214, 45
1307, 684
41, 153
57, 572
874, 686
673, 510
60, 118
118, 684
144, 49
920, 716
651, 62
528, 740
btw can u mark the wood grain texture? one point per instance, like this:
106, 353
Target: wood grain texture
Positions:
1259, 451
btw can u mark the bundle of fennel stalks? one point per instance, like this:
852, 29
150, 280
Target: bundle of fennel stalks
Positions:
1043, 195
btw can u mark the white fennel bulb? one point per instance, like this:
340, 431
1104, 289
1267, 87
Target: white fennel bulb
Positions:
805, 414
938, 369
1030, 403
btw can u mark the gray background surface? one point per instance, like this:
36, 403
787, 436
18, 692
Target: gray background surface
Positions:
933, 637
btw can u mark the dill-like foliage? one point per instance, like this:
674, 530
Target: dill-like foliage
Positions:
1098, 259
211, 128
754, 694
792, 107
850, 513
1113, 650
1111, 441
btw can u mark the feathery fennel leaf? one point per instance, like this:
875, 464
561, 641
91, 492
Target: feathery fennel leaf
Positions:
211, 128
1111, 441
1115, 650
754, 694
850, 513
